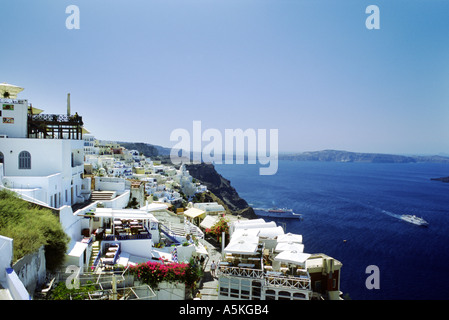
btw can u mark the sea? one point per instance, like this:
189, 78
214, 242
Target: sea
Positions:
351, 212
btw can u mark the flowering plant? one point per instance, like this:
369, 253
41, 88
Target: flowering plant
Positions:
152, 272
219, 227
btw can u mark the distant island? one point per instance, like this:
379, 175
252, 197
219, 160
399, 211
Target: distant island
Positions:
163, 154
443, 179
346, 156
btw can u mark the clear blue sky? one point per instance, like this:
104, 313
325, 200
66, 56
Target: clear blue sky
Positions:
137, 70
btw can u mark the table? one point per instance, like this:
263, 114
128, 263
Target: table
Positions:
246, 265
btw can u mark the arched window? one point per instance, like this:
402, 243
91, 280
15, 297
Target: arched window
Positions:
24, 160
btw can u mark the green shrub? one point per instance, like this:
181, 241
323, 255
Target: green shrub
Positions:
31, 227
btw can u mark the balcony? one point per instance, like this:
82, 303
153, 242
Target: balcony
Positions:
55, 126
299, 280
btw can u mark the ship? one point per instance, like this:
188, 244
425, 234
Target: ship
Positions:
283, 213
415, 220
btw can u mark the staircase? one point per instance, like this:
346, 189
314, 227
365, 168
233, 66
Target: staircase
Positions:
102, 195
95, 250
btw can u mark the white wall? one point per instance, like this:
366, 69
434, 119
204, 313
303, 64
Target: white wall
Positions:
51, 168
20, 114
140, 248
5, 256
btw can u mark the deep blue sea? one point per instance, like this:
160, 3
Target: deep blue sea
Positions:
361, 203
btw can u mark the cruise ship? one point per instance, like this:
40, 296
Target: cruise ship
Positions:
277, 213
415, 220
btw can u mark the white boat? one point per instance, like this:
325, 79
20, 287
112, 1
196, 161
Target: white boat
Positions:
415, 220
283, 213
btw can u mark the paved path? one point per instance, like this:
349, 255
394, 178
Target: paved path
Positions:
209, 287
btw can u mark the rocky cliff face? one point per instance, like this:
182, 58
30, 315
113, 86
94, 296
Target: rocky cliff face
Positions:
221, 187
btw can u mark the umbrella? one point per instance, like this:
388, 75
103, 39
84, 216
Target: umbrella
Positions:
243, 245
271, 232
290, 237
293, 257
289, 246
245, 232
9, 90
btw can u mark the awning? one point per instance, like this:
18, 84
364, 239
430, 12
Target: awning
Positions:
241, 232
78, 249
124, 214
290, 237
10, 89
194, 213
243, 245
293, 257
209, 222
289, 246
259, 225
271, 232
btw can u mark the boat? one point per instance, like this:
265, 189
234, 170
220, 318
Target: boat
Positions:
281, 210
283, 213
415, 220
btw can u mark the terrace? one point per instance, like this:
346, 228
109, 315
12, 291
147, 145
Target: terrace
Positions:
55, 126
246, 257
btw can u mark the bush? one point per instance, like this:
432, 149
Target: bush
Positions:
152, 273
31, 227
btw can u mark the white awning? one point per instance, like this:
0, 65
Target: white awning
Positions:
243, 245
209, 222
78, 249
241, 232
10, 89
293, 257
271, 232
124, 214
194, 212
290, 237
259, 225
289, 246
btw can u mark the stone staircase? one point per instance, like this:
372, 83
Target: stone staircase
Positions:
102, 195
95, 250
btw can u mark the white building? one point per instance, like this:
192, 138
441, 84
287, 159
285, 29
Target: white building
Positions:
89, 145
261, 262
42, 154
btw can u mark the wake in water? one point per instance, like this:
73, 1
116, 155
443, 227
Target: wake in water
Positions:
394, 215
371, 207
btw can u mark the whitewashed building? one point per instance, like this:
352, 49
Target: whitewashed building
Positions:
42, 154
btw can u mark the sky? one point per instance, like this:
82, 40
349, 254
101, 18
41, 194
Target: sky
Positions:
138, 70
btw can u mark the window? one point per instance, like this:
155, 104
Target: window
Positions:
2, 158
24, 160
284, 295
270, 295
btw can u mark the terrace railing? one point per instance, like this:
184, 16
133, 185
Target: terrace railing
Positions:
301, 282
241, 272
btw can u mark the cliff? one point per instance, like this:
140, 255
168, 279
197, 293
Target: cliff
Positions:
346, 156
221, 187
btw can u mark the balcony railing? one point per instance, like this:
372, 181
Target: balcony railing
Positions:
241, 272
274, 279
298, 282
55, 126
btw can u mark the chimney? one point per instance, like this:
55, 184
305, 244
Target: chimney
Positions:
68, 104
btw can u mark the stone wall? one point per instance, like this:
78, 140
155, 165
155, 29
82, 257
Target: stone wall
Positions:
31, 270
